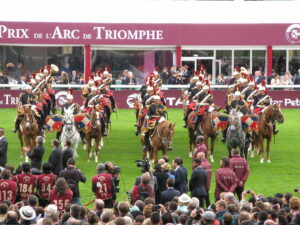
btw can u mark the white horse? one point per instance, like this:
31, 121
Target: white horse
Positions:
70, 132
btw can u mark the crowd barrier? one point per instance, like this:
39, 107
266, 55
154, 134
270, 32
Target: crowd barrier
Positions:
125, 98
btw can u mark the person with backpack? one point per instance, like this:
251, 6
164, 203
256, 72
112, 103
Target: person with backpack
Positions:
143, 190
73, 176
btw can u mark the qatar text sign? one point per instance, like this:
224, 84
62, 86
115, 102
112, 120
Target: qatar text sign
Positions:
148, 34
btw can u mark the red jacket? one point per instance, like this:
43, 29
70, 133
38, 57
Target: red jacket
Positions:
240, 166
200, 148
226, 181
208, 168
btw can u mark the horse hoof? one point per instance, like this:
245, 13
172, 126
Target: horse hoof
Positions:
268, 161
212, 159
262, 161
190, 155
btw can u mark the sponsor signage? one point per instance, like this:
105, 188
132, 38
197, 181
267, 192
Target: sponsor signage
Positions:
125, 98
148, 34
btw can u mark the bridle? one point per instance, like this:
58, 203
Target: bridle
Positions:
95, 121
69, 123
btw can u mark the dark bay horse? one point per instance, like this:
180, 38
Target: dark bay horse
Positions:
94, 133
265, 129
28, 130
161, 139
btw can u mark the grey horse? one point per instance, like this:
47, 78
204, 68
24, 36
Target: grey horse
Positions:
235, 136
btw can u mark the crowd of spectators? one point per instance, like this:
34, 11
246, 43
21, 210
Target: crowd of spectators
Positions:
49, 196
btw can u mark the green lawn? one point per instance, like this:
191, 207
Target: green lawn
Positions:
123, 148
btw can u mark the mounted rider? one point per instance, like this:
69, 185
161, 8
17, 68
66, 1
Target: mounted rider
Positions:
107, 81
239, 104
250, 92
26, 99
155, 112
204, 105
261, 101
192, 101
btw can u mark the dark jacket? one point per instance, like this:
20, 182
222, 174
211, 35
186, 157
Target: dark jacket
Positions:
127, 80
197, 182
71, 173
55, 159
180, 180
36, 156
162, 178
3, 151
169, 194
67, 154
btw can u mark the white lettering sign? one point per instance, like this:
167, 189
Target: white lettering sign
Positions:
13, 33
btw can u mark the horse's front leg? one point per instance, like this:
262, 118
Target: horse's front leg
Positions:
75, 146
89, 147
268, 149
97, 145
212, 146
261, 148
21, 143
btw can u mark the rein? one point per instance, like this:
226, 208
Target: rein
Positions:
164, 140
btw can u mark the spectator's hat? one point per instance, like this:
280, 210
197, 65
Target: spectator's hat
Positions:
195, 202
27, 213
167, 167
184, 198
209, 216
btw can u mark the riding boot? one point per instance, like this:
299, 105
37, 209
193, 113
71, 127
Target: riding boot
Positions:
103, 128
58, 135
223, 139
198, 128
113, 103
17, 124
82, 137
185, 121
146, 141
108, 113
274, 129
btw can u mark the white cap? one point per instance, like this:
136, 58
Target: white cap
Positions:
251, 83
70, 96
184, 198
28, 87
93, 88
205, 87
198, 83
261, 88
156, 97
237, 93
149, 88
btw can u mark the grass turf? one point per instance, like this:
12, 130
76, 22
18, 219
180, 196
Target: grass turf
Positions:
123, 148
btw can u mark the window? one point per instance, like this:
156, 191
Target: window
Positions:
258, 61
140, 62
294, 61
224, 60
198, 53
29, 59
242, 58
279, 61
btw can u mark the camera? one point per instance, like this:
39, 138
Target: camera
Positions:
144, 164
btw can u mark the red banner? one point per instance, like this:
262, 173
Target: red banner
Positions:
148, 34
125, 98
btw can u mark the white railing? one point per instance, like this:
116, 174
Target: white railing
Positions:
164, 87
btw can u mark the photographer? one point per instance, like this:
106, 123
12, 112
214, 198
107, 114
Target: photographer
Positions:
145, 165
103, 186
142, 190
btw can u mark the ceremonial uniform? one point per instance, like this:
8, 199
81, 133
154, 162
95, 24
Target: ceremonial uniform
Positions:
261, 101
240, 106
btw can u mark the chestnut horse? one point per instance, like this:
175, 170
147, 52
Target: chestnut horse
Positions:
271, 114
160, 139
28, 130
208, 132
94, 133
